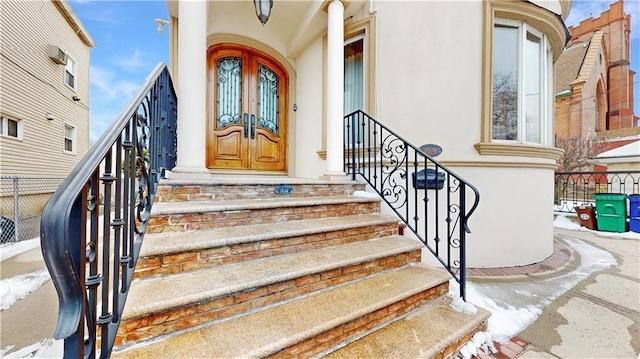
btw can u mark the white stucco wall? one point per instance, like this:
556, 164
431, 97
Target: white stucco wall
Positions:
309, 125
430, 72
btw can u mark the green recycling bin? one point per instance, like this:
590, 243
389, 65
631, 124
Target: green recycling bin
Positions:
611, 209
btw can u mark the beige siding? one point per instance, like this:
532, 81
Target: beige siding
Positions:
32, 85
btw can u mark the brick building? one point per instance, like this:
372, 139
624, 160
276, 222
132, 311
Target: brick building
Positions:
594, 83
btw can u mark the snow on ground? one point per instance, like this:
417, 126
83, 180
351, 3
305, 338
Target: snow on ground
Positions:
8, 250
563, 222
15, 288
48, 348
514, 306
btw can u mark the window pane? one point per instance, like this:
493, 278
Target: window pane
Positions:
229, 88
69, 79
12, 128
70, 72
532, 88
68, 145
353, 76
505, 83
268, 99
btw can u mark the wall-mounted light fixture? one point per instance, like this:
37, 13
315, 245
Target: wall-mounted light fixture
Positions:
49, 116
263, 9
161, 23
75, 98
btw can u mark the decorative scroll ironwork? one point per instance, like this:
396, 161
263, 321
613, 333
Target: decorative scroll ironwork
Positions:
101, 211
268, 99
574, 189
229, 91
437, 215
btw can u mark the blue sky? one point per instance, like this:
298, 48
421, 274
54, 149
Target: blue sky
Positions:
129, 46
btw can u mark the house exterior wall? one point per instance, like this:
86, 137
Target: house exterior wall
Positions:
428, 79
32, 86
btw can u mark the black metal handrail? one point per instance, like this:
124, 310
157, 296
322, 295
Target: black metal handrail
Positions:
578, 188
116, 178
427, 196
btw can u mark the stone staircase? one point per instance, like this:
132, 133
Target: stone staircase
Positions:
231, 269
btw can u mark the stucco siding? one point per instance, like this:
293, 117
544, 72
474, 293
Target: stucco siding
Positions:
429, 74
32, 86
309, 112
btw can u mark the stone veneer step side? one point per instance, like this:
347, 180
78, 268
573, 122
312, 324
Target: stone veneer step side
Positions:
182, 289
272, 330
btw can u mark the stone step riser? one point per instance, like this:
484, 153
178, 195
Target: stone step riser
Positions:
218, 192
455, 347
187, 261
222, 307
184, 222
347, 332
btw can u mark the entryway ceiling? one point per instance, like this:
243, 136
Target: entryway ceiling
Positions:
292, 23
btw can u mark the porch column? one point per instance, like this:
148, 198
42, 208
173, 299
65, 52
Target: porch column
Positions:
335, 91
192, 74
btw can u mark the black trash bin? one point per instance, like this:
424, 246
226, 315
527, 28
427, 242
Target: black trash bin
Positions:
428, 179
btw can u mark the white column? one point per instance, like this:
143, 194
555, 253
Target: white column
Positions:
335, 91
192, 86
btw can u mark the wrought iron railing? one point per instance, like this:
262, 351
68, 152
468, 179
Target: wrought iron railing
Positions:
93, 226
578, 188
429, 198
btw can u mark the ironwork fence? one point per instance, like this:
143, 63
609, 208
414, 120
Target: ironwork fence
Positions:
433, 201
22, 200
578, 188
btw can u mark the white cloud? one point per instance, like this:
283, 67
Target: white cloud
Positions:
582, 10
132, 62
103, 80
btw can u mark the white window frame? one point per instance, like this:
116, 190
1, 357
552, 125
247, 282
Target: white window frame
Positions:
73, 71
73, 138
546, 83
4, 127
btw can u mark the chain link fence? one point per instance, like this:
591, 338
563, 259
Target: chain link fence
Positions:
22, 200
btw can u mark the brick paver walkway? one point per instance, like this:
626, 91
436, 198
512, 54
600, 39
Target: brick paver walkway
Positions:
560, 257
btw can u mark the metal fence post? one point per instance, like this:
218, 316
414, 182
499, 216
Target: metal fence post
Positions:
16, 213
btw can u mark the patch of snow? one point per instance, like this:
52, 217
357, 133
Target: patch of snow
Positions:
15, 288
8, 250
563, 222
481, 341
512, 311
459, 305
48, 348
366, 194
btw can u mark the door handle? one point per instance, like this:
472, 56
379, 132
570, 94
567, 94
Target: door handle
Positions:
253, 127
246, 125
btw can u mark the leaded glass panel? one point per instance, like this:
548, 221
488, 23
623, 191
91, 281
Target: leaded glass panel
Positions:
268, 99
229, 90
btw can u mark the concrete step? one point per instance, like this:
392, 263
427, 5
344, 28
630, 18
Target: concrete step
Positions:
195, 215
175, 252
433, 331
236, 187
309, 325
194, 298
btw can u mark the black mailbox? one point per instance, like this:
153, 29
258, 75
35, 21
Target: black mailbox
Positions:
426, 179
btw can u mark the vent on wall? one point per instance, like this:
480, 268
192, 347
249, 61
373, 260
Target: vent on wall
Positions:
57, 55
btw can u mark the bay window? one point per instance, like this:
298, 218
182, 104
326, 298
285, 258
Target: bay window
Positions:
521, 77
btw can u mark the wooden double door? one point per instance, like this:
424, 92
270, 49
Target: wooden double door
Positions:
246, 110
